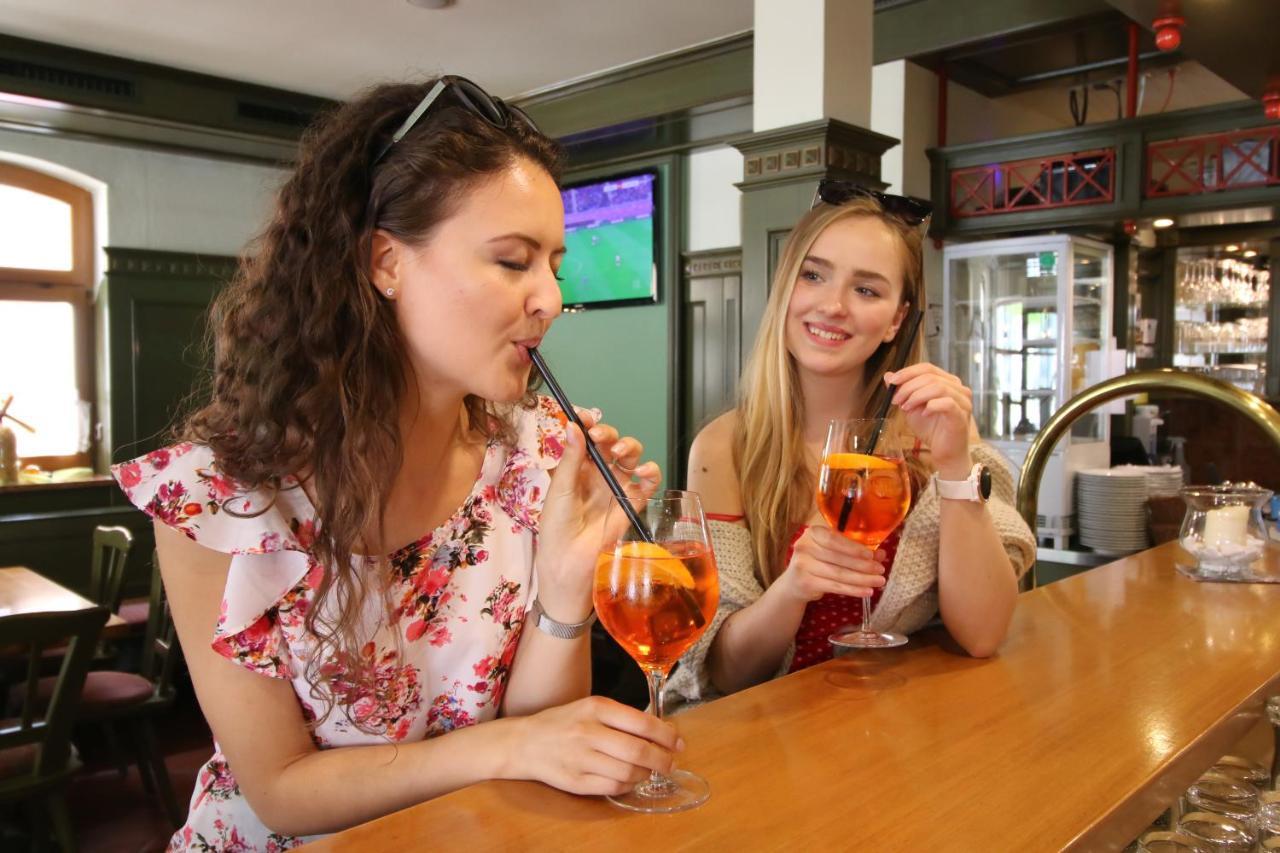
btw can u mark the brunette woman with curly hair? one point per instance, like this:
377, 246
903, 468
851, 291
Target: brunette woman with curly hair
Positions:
355, 527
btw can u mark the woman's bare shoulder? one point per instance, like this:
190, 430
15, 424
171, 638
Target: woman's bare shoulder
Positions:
711, 468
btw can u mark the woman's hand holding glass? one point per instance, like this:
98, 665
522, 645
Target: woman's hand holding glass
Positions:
594, 746
575, 512
825, 562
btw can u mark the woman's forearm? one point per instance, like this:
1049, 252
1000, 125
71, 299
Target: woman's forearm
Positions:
547, 671
977, 586
331, 789
752, 642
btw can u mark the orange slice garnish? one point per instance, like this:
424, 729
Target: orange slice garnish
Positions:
846, 461
661, 566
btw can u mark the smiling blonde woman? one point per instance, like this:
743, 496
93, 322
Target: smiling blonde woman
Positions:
847, 280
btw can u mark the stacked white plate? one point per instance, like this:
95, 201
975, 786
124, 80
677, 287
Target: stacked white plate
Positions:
1163, 481
1111, 508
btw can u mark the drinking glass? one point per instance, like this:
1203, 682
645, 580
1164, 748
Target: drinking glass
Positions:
656, 594
1269, 815
1243, 770
864, 492
1216, 833
1222, 796
1163, 841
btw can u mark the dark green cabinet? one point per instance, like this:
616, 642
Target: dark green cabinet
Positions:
152, 310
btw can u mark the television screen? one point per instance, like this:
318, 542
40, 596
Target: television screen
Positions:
609, 234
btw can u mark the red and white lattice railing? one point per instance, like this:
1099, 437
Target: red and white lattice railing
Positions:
1037, 183
1213, 162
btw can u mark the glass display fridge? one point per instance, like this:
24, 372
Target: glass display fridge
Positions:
1027, 325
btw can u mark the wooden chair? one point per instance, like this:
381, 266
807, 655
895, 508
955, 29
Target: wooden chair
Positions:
36, 756
131, 700
111, 546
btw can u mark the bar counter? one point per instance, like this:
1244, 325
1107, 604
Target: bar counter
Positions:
1114, 690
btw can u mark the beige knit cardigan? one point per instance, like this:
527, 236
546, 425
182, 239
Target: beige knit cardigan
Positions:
909, 600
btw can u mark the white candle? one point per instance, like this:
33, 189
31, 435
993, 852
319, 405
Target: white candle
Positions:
1226, 525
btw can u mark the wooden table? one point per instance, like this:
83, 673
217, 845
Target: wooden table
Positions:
1115, 689
25, 591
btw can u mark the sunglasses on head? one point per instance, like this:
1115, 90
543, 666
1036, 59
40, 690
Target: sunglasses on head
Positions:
493, 110
909, 209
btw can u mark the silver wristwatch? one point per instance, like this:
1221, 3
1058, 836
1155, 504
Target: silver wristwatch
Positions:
976, 487
547, 625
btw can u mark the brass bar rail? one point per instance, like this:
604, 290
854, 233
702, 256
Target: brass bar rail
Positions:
1167, 380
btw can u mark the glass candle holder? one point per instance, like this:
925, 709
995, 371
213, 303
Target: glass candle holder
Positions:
1223, 530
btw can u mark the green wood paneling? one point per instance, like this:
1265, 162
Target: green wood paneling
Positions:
59, 545
152, 308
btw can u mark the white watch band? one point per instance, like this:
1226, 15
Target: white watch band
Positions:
967, 489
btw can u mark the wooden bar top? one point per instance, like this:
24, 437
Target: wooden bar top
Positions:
1114, 690
25, 591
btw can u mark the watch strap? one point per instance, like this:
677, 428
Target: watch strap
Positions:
968, 489
562, 630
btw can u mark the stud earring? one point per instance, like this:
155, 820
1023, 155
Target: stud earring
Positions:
391, 291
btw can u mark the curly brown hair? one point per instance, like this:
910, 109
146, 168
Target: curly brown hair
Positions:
310, 368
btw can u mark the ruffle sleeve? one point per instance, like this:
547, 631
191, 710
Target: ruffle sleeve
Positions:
269, 535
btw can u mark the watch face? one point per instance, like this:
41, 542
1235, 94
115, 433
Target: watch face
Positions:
984, 483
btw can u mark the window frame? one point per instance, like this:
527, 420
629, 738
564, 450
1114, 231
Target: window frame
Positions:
74, 286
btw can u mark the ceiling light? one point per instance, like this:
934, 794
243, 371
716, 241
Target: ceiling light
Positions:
1233, 248
430, 4
1250, 253
1162, 222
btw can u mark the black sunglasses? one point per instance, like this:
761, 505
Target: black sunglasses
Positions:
493, 110
909, 209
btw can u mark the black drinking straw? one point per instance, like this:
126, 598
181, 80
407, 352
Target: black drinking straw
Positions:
695, 612
913, 326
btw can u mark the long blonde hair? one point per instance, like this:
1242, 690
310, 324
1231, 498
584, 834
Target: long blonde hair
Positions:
769, 454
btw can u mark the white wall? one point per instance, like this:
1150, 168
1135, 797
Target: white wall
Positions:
158, 200
888, 92
812, 60
904, 105
713, 212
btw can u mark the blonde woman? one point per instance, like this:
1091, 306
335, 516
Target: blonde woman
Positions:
849, 276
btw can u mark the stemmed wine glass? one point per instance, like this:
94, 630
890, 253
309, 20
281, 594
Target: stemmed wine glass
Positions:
656, 594
864, 492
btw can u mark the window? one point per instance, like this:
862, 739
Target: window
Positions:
46, 278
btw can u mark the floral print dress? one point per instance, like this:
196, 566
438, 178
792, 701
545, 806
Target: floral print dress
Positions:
459, 598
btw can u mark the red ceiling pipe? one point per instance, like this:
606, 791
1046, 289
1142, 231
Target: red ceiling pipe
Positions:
942, 105
1131, 79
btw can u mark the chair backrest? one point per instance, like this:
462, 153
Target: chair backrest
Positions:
110, 553
161, 652
50, 726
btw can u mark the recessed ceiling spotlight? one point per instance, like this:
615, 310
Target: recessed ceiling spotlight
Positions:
430, 4
1250, 253
1233, 248
1162, 222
